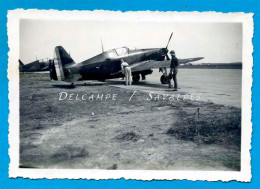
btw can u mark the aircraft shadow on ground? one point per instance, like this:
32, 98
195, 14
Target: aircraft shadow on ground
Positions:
108, 82
64, 86
140, 83
69, 86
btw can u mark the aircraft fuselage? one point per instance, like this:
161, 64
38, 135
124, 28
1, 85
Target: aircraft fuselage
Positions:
107, 65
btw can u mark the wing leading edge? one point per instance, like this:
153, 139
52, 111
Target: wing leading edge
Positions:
151, 64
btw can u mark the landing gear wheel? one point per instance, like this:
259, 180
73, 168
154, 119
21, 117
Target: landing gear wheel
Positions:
136, 78
164, 79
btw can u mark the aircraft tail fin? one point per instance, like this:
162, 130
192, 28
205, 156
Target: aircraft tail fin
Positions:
63, 56
62, 65
21, 65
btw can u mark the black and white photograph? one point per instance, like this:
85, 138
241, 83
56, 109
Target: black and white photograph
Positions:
144, 95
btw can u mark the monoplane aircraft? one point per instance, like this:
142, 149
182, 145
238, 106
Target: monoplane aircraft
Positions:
107, 65
35, 66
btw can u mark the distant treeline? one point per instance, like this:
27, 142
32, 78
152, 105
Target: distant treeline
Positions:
236, 65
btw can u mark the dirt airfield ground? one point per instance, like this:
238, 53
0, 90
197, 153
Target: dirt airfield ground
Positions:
121, 134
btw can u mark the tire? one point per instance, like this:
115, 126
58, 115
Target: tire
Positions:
136, 78
164, 80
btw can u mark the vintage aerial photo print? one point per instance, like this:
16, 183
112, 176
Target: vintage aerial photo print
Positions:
135, 95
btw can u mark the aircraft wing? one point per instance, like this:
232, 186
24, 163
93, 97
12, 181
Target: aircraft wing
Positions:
152, 64
188, 60
46, 68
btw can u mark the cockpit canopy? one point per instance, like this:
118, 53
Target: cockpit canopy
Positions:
118, 52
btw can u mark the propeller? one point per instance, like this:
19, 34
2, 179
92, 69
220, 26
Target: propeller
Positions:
169, 41
167, 56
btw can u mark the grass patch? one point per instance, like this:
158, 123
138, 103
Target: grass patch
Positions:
129, 136
70, 151
113, 167
222, 128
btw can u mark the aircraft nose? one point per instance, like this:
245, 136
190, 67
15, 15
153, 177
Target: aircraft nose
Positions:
164, 51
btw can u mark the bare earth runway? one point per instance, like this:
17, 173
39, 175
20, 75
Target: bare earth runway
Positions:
121, 134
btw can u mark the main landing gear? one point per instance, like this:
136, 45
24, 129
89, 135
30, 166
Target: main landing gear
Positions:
143, 77
136, 78
164, 78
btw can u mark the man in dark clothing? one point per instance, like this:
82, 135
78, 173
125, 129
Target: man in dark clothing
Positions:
52, 70
173, 71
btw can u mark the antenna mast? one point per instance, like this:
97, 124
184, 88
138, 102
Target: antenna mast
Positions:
102, 46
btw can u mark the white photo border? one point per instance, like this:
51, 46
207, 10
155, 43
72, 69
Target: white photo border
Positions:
246, 19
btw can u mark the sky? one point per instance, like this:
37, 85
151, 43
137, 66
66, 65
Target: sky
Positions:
217, 42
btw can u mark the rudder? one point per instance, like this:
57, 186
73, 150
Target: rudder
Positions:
62, 65
64, 57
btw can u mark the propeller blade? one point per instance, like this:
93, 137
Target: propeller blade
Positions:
169, 40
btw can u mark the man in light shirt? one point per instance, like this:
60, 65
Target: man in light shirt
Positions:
126, 70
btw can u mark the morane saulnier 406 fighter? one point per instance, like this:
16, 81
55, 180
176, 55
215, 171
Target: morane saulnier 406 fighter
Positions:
35, 66
107, 65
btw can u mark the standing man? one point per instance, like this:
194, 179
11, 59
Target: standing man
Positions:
126, 70
173, 71
52, 69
